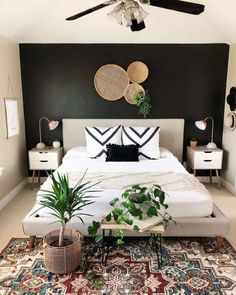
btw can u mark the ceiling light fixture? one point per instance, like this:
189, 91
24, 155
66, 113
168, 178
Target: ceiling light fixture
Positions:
129, 14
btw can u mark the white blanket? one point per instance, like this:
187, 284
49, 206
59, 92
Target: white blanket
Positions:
187, 197
169, 181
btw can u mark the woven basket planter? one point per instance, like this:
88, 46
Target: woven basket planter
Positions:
62, 260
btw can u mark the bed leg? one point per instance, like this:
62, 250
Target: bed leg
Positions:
31, 241
219, 241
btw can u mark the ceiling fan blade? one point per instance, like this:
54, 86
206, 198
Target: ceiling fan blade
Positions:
90, 10
181, 6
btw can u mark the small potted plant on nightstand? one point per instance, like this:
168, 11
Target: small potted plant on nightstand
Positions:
193, 143
62, 248
56, 144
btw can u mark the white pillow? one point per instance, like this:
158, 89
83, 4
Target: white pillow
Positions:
75, 153
98, 137
147, 138
165, 153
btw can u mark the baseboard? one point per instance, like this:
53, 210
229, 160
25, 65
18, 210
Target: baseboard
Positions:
42, 179
228, 186
207, 179
11, 195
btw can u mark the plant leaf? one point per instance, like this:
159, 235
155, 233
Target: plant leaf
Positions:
118, 211
152, 211
120, 242
114, 201
136, 228
108, 217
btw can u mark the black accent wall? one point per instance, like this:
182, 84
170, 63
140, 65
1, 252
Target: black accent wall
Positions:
185, 81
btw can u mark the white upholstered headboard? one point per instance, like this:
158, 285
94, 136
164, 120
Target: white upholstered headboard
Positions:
171, 133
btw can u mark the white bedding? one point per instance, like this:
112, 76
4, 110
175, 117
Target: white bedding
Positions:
77, 160
181, 203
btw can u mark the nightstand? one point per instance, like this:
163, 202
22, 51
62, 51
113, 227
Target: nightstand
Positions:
203, 158
44, 159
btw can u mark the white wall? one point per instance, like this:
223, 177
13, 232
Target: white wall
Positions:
229, 137
12, 150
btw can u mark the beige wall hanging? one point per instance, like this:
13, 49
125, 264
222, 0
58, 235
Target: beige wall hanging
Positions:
12, 120
131, 91
111, 81
11, 111
137, 72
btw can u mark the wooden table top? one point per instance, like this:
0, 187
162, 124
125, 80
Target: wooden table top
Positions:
160, 229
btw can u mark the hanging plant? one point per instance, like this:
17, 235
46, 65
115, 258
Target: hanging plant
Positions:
142, 100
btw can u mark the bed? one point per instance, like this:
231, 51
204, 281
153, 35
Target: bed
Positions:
189, 202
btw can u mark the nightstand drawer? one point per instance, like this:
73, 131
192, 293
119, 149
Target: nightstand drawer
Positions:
208, 155
44, 165
208, 164
42, 156
45, 159
202, 158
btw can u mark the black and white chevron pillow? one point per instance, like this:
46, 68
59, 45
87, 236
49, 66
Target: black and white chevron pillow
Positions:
147, 138
98, 137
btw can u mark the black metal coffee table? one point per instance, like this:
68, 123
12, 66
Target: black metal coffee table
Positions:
156, 233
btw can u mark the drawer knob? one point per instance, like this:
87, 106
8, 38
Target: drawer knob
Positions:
207, 160
43, 161
43, 152
207, 152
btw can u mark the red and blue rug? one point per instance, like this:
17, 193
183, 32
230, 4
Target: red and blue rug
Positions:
190, 266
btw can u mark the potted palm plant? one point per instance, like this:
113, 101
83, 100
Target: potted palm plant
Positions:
62, 248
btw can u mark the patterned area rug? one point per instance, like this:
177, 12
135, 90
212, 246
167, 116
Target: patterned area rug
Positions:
190, 266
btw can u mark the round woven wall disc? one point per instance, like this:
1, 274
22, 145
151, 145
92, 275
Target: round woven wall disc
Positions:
137, 72
131, 91
111, 81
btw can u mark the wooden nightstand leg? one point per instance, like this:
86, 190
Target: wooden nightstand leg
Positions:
31, 241
218, 178
38, 176
210, 176
32, 182
219, 241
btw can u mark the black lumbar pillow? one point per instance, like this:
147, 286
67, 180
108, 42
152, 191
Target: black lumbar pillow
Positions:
122, 153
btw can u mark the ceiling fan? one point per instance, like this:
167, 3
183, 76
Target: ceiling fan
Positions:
130, 14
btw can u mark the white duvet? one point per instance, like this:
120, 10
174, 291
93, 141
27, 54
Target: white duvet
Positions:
189, 203
193, 203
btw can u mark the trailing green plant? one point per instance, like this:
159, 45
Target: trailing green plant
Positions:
66, 202
135, 203
95, 280
142, 100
